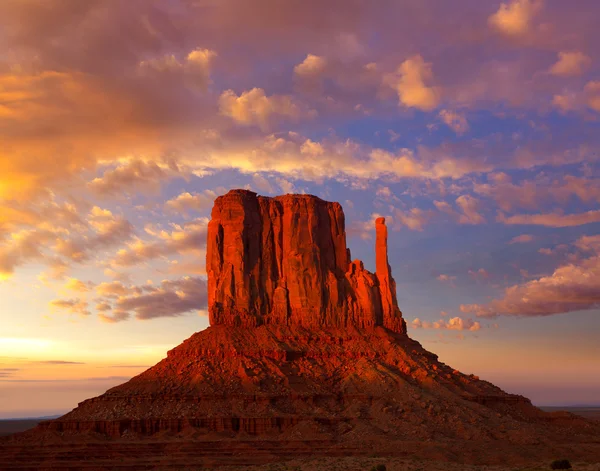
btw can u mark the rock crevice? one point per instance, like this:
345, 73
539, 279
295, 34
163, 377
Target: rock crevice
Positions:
284, 260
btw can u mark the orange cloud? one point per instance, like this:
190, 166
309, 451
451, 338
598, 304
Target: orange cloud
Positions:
411, 83
195, 68
514, 18
73, 306
191, 202
255, 107
190, 237
570, 63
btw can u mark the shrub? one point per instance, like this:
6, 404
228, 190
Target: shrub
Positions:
560, 464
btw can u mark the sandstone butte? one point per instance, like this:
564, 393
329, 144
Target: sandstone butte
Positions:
284, 260
306, 355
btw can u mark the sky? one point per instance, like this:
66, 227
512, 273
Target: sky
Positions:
472, 126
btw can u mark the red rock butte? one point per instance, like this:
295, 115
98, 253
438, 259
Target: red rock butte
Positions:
307, 355
284, 260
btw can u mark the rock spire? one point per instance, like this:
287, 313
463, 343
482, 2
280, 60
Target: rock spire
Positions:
284, 260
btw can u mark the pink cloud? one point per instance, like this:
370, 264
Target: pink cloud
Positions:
571, 287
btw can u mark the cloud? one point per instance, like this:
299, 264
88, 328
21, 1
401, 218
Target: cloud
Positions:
592, 92
468, 212
311, 67
455, 121
533, 193
111, 289
61, 238
579, 100
195, 67
8, 372
481, 274
183, 239
444, 277
197, 202
570, 64
556, 219
454, 323
365, 229
58, 362
262, 184
113, 317
470, 207
411, 83
171, 299
522, 239
134, 176
254, 107
414, 218
73, 284
73, 306
571, 287
514, 18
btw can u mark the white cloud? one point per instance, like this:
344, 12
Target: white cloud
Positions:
571, 287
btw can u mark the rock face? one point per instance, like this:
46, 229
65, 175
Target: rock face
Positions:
284, 260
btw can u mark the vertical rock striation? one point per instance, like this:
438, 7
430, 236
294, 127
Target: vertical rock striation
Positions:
284, 260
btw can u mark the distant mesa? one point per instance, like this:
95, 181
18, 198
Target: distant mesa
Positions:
306, 355
284, 260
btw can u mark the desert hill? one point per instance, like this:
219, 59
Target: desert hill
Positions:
307, 354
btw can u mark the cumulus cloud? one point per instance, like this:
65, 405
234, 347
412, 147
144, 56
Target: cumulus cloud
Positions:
414, 218
579, 100
73, 306
468, 210
254, 107
136, 175
592, 95
514, 18
73, 284
570, 63
454, 323
311, 67
455, 121
171, 298
186, 202
195, 67
571, 287
183, 239
412, 82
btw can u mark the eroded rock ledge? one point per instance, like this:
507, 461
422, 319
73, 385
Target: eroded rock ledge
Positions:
284, 260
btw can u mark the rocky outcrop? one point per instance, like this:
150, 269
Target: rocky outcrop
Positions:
284, 260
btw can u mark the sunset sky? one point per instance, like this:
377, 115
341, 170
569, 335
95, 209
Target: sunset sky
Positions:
473, 126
